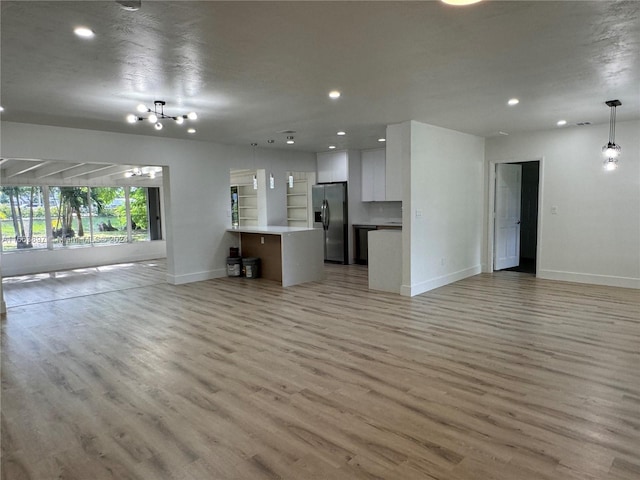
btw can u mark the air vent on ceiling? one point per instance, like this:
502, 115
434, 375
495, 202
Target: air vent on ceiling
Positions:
582, 124
130, 5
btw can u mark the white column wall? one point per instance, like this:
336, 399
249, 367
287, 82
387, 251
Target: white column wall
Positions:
595, 235
444, 209
196, 183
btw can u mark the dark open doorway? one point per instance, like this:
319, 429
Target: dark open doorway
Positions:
528, 217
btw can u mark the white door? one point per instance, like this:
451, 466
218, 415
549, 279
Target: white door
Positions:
507, 224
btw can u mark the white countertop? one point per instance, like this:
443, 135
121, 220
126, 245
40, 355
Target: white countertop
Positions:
378, 224
270, 230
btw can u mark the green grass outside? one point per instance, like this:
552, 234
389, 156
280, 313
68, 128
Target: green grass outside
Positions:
39, 233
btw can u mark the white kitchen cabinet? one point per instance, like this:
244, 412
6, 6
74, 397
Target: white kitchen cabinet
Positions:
333, 167
374, 175
394, 160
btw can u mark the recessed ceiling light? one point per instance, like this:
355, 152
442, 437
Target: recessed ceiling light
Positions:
513, 101
83, 32
1, 109
334, 94
331, 147
341, 133
382, 139
459, 3
561, 123
191, 130
502, 133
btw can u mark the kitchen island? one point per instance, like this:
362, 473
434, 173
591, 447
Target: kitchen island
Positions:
289, 255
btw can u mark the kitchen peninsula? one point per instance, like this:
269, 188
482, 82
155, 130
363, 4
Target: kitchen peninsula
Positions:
289, 255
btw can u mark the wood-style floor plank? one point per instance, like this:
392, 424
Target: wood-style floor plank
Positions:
110, 373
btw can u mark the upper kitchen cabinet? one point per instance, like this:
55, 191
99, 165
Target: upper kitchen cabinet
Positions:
394, 161
374, 175
333, 167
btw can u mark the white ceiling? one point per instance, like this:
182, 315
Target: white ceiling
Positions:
252, 69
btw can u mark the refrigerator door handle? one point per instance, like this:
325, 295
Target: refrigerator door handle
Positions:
323, 214
327, 215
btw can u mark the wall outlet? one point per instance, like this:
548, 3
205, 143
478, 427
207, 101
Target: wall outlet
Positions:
418, 213
554, 210
262, 240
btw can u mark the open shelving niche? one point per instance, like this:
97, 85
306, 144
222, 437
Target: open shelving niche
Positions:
299, 199
252, 211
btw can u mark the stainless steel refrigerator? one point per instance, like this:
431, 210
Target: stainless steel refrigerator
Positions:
330, 214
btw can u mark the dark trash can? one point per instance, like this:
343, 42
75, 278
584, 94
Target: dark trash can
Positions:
251, 267
234, 266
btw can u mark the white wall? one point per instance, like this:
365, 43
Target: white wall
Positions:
442, 207
595, 236
43, 260
196, 183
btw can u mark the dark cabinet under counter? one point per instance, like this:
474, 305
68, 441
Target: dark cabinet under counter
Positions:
362, 243
361, 239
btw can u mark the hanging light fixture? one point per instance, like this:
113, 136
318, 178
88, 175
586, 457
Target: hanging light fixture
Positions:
611, 151
157, 114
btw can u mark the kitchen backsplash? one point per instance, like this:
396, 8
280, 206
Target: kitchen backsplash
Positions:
382, 212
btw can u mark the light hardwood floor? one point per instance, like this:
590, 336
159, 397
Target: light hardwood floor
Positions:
502, 377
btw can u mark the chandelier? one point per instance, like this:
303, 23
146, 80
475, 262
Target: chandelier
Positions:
157, 114
611, 151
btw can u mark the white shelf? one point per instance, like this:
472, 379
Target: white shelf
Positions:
299, 206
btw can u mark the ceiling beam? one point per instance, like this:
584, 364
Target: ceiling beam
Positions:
22, 167
54, 168
85, 169
110, 171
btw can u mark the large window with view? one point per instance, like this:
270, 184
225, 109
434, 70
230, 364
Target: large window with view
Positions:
23, 218
54, 217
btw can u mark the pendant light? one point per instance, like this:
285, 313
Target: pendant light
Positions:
611, 151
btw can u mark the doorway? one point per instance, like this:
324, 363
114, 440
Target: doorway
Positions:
516, 200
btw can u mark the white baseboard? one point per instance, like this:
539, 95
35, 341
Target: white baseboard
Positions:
196, 276
422, 287
608, 280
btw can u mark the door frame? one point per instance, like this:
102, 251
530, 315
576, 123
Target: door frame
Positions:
491, 207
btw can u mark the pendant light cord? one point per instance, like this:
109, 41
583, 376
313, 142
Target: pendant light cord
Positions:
612, 125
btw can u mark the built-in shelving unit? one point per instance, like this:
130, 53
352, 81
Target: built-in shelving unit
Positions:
299, 199
251, 201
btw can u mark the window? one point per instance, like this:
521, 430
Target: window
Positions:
75, 216
22, 218
139, 214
